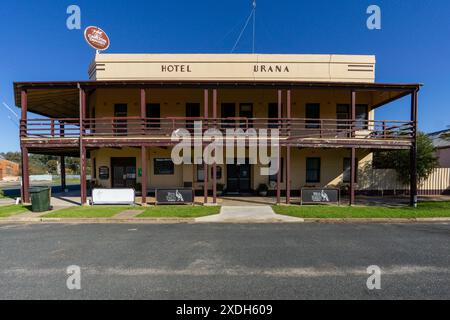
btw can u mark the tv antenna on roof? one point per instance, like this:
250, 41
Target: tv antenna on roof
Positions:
252, 15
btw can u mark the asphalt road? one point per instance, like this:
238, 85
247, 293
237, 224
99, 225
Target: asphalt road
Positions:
191, 261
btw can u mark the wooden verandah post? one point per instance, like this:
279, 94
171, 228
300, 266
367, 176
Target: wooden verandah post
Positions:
82, 147
280, 115
214, 168
143, 104
353, 150
413, 150
205, 165
288, 150
25, 166
63, 173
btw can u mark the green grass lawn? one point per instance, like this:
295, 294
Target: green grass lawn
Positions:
7, 211
89, 212
424, 210
182, 211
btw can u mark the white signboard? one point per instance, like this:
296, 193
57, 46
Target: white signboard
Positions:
113, 196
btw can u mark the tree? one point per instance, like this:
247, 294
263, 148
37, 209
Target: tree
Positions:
12, 156
44, 164
446, 135
52, 166
400, 160
72, 165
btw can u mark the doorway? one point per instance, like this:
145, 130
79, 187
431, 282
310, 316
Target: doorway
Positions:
239, 178
192, 111
120, 124
123, 172
246, 111
228, 110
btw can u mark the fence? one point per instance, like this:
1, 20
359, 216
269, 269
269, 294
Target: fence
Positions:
386, 181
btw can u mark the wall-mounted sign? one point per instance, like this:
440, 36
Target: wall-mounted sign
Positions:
319, 196
174, 196
103, 173
96, 38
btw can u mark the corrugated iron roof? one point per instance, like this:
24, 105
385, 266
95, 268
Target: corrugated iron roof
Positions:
439, 140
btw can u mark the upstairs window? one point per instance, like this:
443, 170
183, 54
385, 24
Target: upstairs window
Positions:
343, 112
312, 112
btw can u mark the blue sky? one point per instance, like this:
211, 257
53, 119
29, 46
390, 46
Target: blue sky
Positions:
413, 45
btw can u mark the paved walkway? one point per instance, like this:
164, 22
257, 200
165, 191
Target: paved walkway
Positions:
7, 202
26, 216
128, 214
245, 214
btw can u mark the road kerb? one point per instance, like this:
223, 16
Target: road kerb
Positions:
193, 221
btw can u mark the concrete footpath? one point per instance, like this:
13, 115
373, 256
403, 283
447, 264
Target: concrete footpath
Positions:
247, 214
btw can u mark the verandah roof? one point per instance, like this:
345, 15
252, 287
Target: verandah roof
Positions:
60, 99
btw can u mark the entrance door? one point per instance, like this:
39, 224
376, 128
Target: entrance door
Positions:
123, 172
239, 178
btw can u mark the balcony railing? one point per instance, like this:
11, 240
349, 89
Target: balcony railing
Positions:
294, 128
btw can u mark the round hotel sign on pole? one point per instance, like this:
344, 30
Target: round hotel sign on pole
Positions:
96, 38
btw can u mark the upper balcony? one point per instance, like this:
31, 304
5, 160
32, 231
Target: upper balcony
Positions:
63, 104
294, 131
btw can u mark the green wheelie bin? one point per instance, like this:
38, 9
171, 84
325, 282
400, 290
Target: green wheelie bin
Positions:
40, 199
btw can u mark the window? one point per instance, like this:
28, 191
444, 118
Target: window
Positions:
163, 167
312, 111
273, 178
200, 173
312, 170
343, 113
273, 114
346, 170
153, 112
361, 116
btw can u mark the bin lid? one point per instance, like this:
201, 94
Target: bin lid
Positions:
38, 189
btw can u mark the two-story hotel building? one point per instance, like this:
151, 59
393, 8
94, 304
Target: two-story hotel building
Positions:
122, 119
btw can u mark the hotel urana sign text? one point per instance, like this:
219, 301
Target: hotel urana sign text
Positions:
257, 68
